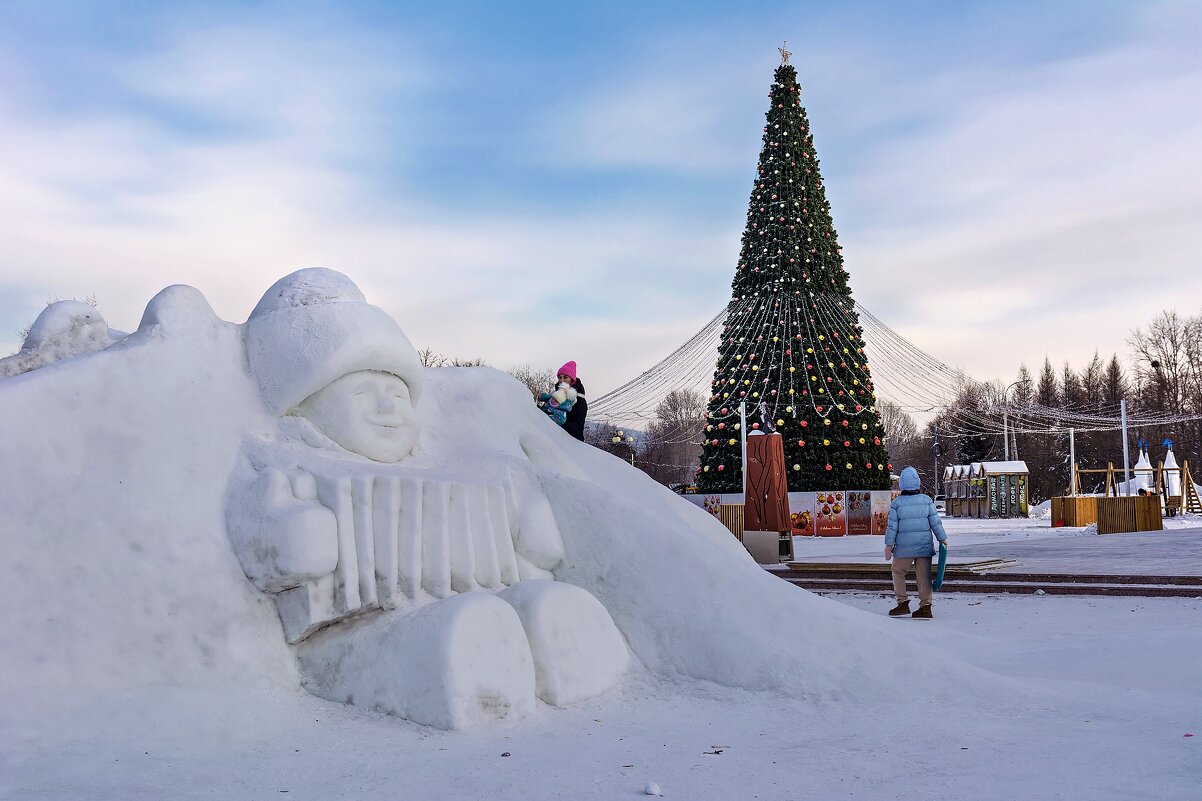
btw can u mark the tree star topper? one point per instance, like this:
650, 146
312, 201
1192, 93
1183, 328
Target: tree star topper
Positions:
784, 53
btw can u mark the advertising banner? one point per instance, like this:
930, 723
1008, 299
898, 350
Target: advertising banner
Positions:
859, 512
802, 508
880, 510
993, 497
711, 502
831, 514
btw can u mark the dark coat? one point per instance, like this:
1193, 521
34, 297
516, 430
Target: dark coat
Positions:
574, 425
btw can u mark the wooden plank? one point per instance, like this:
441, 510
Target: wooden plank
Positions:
1147, 513
1074, 511
731, 515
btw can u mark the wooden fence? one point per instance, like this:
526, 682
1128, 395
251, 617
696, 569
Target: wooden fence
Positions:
1081, 510
731, 515
1131, 513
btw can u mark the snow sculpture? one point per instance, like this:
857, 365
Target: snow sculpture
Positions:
325, 517
65, 328
1172, 472
1143, 472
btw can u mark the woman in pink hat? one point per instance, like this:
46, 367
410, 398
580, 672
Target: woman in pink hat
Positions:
574, 424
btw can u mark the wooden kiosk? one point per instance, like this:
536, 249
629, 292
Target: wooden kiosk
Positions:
987, 489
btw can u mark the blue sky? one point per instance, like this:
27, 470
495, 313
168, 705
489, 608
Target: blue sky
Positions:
534, 182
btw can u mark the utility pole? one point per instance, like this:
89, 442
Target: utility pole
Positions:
937, 450
1072, 462
1005, 434
1126, 458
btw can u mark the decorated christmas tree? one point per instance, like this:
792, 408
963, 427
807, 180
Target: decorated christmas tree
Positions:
792, 348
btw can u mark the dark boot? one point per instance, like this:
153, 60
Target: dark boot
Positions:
902, 608
923, 613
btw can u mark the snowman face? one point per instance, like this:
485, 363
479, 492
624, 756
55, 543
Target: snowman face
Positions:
367, 412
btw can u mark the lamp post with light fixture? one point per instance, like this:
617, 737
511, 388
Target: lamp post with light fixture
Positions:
621, 437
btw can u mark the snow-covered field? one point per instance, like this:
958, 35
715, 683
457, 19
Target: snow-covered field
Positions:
1092, 700
1087, 698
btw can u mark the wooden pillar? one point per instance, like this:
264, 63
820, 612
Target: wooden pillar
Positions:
767, 499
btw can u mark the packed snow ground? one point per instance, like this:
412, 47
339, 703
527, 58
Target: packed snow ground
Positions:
1091, 698
1094, 697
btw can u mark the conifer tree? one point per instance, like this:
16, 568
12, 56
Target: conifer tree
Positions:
792, 347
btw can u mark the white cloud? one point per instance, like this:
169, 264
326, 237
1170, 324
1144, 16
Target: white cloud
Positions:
991, 216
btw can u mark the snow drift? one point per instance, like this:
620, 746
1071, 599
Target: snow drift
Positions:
120, 573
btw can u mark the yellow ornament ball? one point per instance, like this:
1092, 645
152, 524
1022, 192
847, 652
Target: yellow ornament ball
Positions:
809, 350
826, 421
705, 469
732, 442
822, 337
848, 465
861, 440
780, 422
826, 442
796, 467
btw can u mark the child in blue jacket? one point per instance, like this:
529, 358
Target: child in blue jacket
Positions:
912, 521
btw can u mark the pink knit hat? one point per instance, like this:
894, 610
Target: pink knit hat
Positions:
568, 369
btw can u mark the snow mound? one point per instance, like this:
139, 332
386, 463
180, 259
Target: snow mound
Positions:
64, 329
119, 571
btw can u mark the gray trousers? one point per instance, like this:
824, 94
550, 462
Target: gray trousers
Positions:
921, 565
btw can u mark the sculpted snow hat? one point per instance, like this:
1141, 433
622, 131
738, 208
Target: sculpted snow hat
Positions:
568, 369
313, 327
909, 479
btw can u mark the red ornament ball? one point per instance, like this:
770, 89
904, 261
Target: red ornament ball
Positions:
755, 426
828, 467
868, 465
721, 425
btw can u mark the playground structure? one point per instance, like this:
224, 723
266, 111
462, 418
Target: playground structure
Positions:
1165, 492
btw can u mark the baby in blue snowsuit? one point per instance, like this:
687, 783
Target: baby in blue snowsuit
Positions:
557, 404
912, 521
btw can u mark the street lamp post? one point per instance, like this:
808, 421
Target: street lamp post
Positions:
1006, 421
621, 437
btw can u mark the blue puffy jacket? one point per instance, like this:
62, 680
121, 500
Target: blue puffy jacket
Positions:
912, 520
